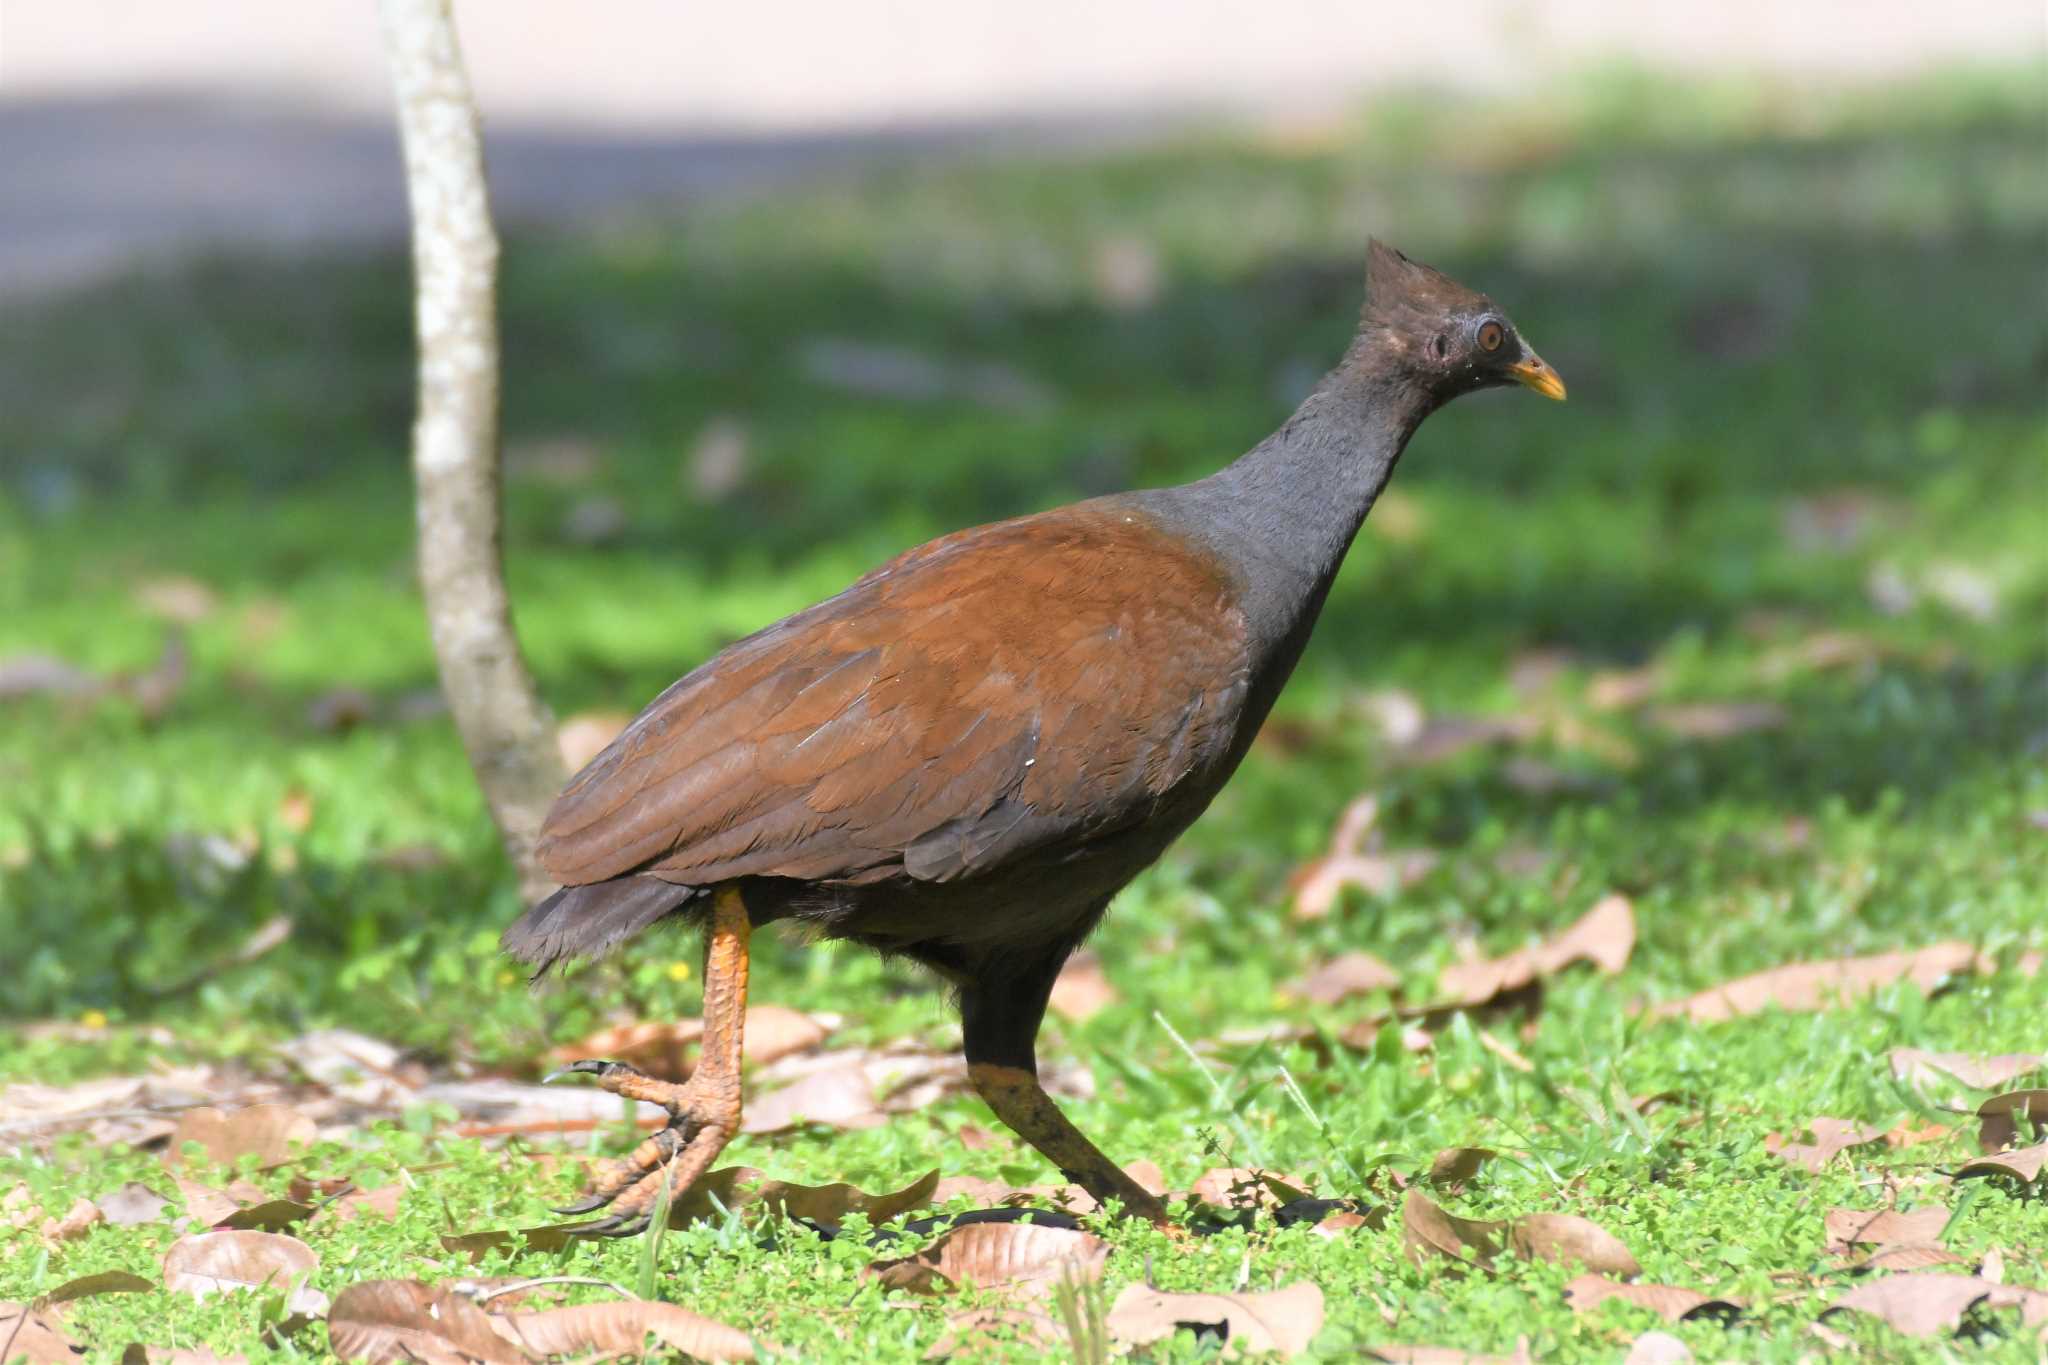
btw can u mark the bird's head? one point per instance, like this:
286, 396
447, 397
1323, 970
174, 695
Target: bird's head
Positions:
1440, 336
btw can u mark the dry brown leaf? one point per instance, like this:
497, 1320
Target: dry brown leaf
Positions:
668, 1047
979, 1325
1909, 1256
1711, 720
1831, 1137
381, 1202
36, 1335
381, 1321
272, 1133
841, 1098
1806, 986
1081, 990
1282, 1320
1442, 738
205, 1205
622, 1328
1657, 1348
583, 736
226, 1262
79, 1219
1671, 1302
1319, 884
1245, 1187
2023, 1165
1907, 1136
743, 1187
1567, 1239
1020, 1259
1427, 1233
1604, 936
91, 1286
1883, 1227
1915, 1067
1345, 976
1921, 1305
1455, 1165
270, 1215
2003, 1119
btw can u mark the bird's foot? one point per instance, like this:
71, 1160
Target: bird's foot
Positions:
702, 1119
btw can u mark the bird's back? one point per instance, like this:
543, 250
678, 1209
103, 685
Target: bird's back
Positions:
1006, 695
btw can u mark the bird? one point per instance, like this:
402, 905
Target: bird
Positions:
961, 758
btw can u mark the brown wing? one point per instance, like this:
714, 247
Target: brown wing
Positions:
981, 696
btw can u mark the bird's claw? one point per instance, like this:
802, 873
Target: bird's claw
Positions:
593, 1066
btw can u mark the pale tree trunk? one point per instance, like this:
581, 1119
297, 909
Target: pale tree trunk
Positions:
506, 728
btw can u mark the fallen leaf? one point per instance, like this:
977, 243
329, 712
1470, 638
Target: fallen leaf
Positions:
36, 1335
770, 1033
585, 735
1907, 1136
2003, 1118
1343, 977
1718, 720
2023, 1165
1081, 990
1671, 1302
270, 1215
1657, 1348
381, 1202
381, 1321
79, 1219
1604, 936
1427, 1232
91, 1286
1283, 1320
1915, 1067
1909, 1256
1022, 1259
1831, 1137
1808, 986
622, 1328
1847, 1228
1567, 1239
1243, 1187
1318, 885
1455, 1165
227, 1262
272, 1133
1921, 1305
842, 1098
744, 1188
1022, 1326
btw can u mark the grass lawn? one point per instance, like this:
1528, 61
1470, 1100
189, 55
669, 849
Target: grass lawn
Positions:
1795, 510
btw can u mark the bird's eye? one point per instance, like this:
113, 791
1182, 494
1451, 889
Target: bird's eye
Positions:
1491, 335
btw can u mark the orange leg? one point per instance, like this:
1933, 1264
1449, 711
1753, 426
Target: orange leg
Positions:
703, 1114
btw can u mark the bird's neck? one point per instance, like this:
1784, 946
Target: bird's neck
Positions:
1283, 514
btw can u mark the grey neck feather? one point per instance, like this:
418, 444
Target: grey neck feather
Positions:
1284, 513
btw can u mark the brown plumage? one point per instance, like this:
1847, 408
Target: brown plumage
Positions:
964, 755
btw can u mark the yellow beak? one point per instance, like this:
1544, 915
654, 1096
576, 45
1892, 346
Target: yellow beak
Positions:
1538, 376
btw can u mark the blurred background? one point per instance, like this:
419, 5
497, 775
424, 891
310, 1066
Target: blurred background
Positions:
789, 288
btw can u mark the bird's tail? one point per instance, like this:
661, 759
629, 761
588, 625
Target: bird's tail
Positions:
589, 921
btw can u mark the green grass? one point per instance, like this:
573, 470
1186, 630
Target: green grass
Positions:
1761, 296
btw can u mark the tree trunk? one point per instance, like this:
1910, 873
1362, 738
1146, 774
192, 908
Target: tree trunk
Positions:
506, 728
